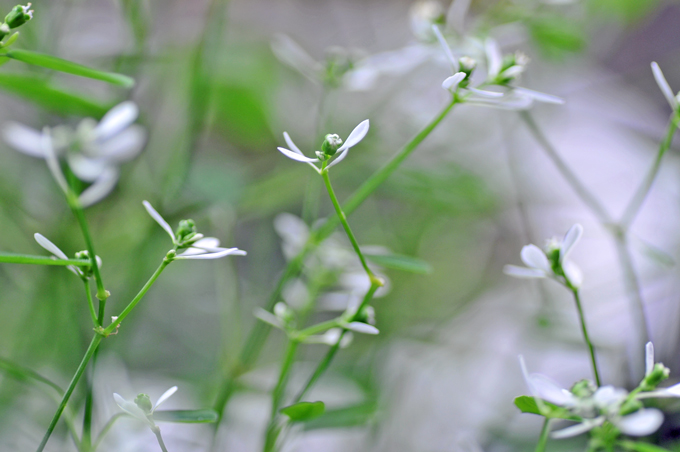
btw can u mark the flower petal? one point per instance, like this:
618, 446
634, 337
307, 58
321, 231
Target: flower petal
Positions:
537, 95
534, 257
574, 430
23, 139
641, 423
124, 146
49, 246
451, 83
360, 327
86, 168
116, 120
130, 407
485, 93
664, 86
523, 272
296, 156
268, 317
216, 255
356, 136
159, 219
573, 273
549, 390
166, 395
52, 161
290, 143
494, 58
100, 188
571, 238
649, 358
447, 49
339, 158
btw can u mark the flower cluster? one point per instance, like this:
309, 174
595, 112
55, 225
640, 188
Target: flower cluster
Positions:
94, 151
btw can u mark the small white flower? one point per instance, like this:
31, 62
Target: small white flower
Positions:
141, 413
201, 248
59, 254
539, 265
665, 87
353, 139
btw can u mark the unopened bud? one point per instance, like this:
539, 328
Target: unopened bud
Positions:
330, 144
658, 374
4, 31
144, 403
583, 389
186, 229
18, 16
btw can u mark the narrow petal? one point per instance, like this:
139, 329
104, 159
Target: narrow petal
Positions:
339, 158
356, 136
100, 188
289, 52
166, 395
573, 273
86, 168
649, 358
296, 156
673, 391
641, 423
523, 272
447, 49
549, 390
130, 407
290, 143
488, 94
268, 317
578, 429
116, 120
664, 86
360, 327
23, 139
541, 97
451, 83
159, 219
534, 257
210, 244
124, 146
49, 246
571, 238
217, 255
52, 161
493, 57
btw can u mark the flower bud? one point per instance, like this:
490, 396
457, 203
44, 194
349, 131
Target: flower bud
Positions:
4, 31
583, 389
658, 374
18, 16
144, 403
367, 315
284, 313
330, 144
186, 230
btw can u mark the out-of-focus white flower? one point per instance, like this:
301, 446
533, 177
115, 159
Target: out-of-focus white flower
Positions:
423, 14
665, 87
59, 254
336, 152
94, 151
545, 264
197, 246
141, 408
331, 338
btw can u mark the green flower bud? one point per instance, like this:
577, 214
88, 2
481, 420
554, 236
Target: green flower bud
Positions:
583, 389
186, 230
4, 31
18, 16
330, 144
658, 374
144, 403
284, 313
367, 315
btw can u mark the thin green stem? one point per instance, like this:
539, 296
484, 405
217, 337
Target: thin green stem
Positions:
11, 258
315, 329
279, 393
643, 190
543, 439
258, 335
77, 209
90, 303
632, 285
105, 429
157, 432
591, 349
74, 381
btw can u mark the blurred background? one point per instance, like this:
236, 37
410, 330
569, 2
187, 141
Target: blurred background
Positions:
217, 84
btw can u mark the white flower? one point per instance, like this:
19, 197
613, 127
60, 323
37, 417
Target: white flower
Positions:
94, 151
539, 265
137, 407
353, 139
54, 249
198, 247
665, 87
331, 337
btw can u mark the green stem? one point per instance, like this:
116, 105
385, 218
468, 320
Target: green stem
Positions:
591, 349
543, 439
279, 393
318, 328
77, 209
157, 432
105, 429
639, 197
11, 258
90, 303
79, 372
258, 335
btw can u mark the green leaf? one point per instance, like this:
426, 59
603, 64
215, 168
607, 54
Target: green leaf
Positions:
401, 262
527, 404
304, 411
11, 258
186, 416
37, 90
351, 416
58, 64
22, 373
641, 447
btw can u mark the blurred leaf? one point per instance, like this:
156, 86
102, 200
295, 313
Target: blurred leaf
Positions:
22, 373
242, 116
304, 411
527, 404
186, 416
344, 417
556, 36
3, 60
58, 64
641, 447
35, 89
276, 191
401, 262
627, 10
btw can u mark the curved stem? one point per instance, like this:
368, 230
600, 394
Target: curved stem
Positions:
279, 393
543, 439
77, 209
105, 429
591, 349
157, 432
12, 258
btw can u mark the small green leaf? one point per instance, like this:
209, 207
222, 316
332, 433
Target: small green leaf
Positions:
22, 373
37, 90
351, 416
304, 411
186, 416
527, 404
58, 64
401, 262
641, 447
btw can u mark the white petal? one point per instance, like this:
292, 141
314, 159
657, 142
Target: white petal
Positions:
130, 407
159, 219
296, 156
100, 188
488, 94
607, 396
86, 168
673, 391
571, 238
360, 327
541, 97
447, 49
166, 395
649, 358
268, 317
52, 161
124, 146
451, 83
201, 246
339, 158
523, 272
504, 103
49, 246
493, 57
216, 255
23, 139
549, 390
664, 86
356, 136
641, 423
534, 257
578, 429
289, 52
116, 120
290, 143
